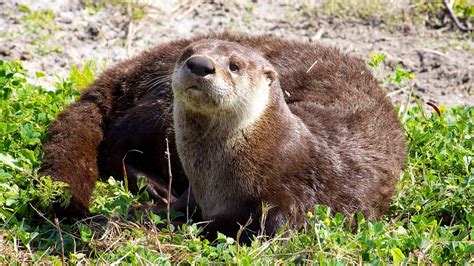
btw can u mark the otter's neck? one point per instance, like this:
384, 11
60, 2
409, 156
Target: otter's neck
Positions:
223, 160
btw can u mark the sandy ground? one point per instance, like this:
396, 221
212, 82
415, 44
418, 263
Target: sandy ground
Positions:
441, 60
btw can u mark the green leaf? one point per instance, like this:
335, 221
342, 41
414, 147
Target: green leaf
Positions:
469, 249
377, 59
24, 8
39, 74
397, 256
9, 161
470, 219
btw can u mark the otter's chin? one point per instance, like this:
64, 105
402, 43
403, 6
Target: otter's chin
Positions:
199, 98
196, 100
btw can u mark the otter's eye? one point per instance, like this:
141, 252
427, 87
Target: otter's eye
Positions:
233, 67
185, 55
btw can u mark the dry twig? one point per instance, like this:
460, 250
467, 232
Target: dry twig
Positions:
168, 203
241, 230
56, 223
455, 19
124, 168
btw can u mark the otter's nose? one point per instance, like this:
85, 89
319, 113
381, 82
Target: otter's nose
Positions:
200, 66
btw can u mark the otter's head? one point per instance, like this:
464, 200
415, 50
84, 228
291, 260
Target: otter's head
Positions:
222, 79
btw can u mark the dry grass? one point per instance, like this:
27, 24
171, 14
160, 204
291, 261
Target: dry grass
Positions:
419, 12
363, 8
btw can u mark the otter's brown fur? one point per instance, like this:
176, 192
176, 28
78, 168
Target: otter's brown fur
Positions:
327, 136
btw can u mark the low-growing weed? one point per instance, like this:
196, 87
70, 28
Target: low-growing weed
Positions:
41, 25
83, 76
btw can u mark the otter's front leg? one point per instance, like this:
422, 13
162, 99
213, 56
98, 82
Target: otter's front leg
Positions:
156, 187
247, 223
185, 204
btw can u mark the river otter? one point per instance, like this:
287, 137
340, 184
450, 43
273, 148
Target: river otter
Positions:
251, 120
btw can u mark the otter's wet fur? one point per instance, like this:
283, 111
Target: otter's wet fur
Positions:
327, 136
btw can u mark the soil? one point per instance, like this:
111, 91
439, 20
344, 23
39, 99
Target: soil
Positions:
442, 60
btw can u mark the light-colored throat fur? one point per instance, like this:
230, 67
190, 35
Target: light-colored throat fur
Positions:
203, 153
207, 146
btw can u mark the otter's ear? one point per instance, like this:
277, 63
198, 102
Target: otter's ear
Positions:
270, 74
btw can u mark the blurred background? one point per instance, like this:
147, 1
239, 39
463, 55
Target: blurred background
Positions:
433, 40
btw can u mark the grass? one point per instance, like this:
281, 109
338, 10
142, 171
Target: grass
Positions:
41, 25
430, 220
136, 9
419, 12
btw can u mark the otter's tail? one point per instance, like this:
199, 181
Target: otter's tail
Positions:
71, 148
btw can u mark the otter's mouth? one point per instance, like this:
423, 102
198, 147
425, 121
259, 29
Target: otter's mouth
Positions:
195, 95
193, 87
195, 92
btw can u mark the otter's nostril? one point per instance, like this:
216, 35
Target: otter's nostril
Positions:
200, 66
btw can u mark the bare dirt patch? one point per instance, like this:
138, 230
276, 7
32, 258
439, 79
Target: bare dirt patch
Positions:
441, 60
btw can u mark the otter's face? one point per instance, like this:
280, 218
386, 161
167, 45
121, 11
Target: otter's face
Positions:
218, 77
